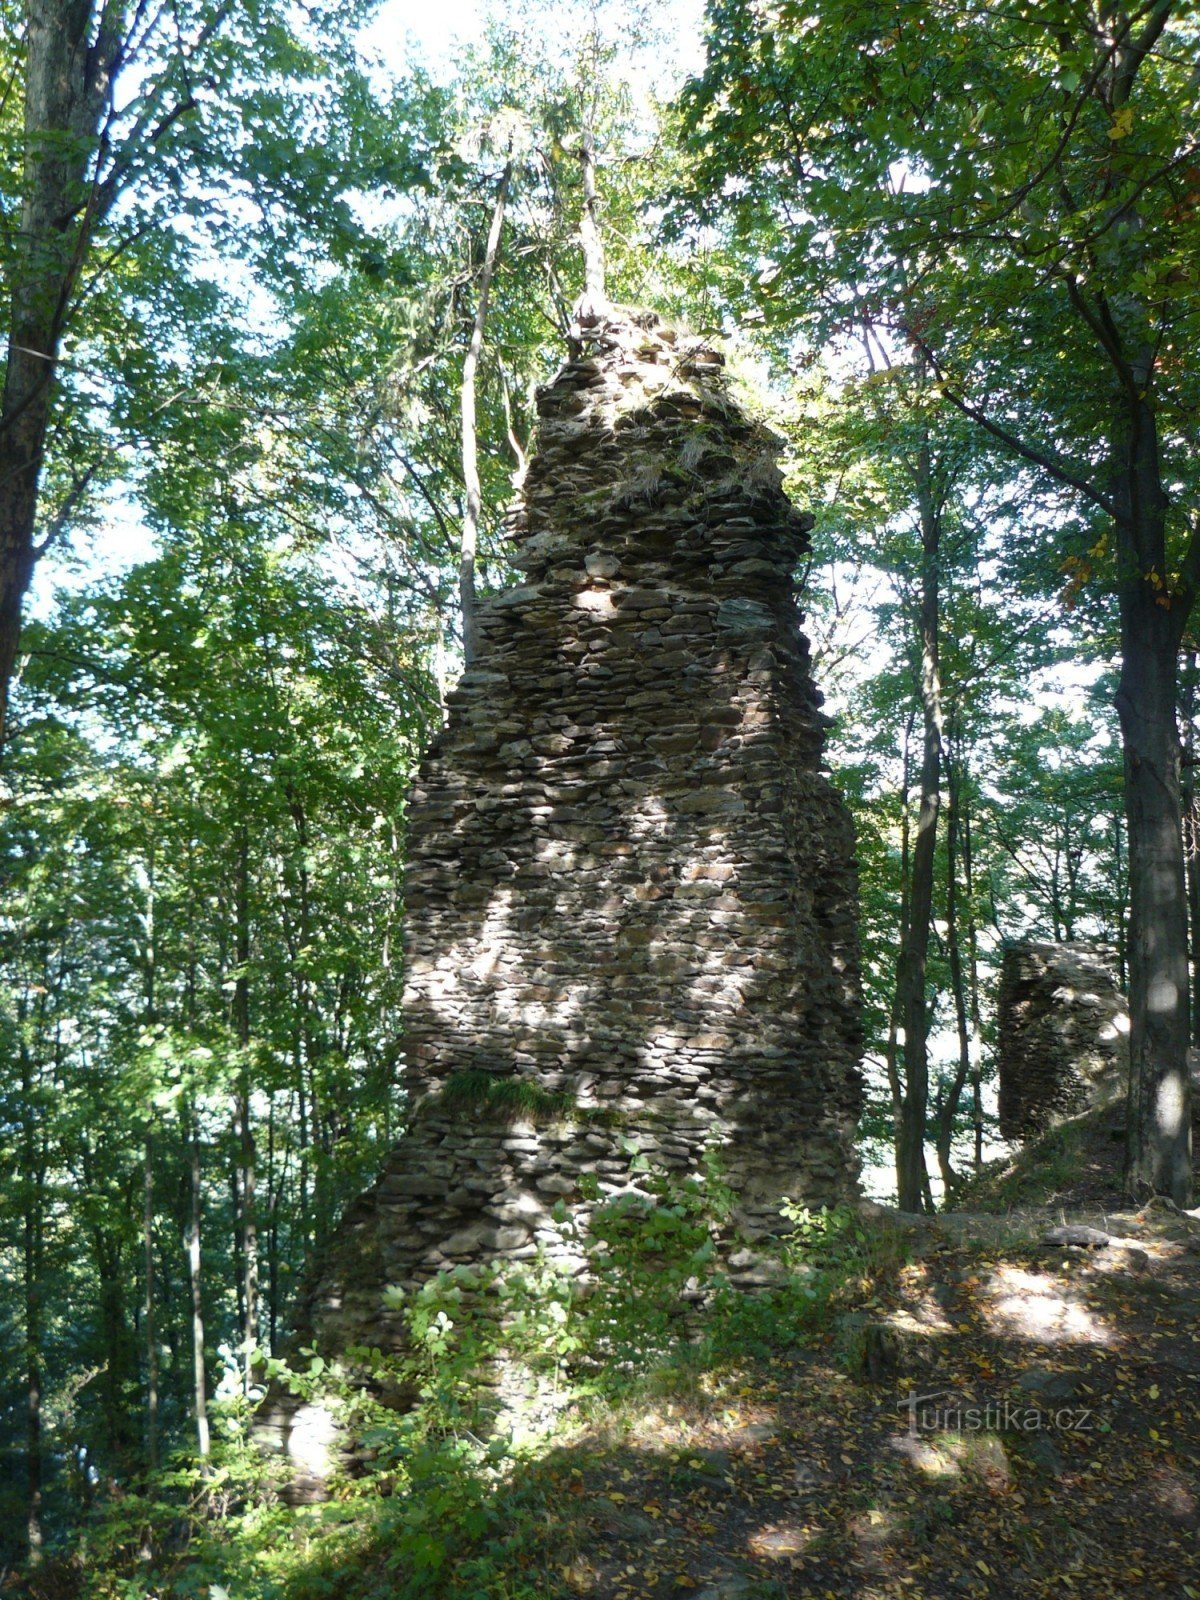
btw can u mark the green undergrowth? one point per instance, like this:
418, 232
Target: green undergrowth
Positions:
461, 1494
494, 1097
1044, 1169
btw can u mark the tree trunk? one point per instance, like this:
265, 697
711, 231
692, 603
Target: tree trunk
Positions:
274, 1184
1121, 872
119, 1378
149, 1330
303, 1134
473, 507
1191, 835
67, 80
195, 1284
911, 1174
1160, 1117
235, 1211
973, 970
149, 1308
590, 242
948, 1106
246, 1178
33, 1202
892, 1049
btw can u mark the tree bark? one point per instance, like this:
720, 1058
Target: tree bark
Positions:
590, 241
246, 1177
67, 84
120, 1375
973, 971
473, 506
33, 1206
892, 1048
911, 1172
149, 1329
1153, 616
948, 1107
1121, 873
1160, 1119
195, 1284
1191, 835
274, 1184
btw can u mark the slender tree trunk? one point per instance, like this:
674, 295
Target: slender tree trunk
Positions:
246, 1177
33, 1187
911, 1173
1160, 1116
235, 1202
892, 1049
590, 241
149, 1329
949, 1102
302, 1117
196, 1286
120, 1350
973, 970
319, 1145
274, 1184
307, 1046
1191, 835
1072, 857
249, 1201
1122, 886
1056, 915
473, 507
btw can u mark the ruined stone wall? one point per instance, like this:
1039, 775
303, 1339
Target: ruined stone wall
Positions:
631, 892
1063, 1034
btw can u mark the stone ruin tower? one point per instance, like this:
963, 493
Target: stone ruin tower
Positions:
1063, 1030
630, 891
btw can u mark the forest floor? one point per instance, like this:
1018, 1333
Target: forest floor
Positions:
1055, 1448
977, 1413
971, 1410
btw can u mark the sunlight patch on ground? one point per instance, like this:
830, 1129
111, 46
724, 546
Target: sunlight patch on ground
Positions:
926, 1455
680, 1424
1030, 1306
949, 1454
926, 1317
780, 1539
1174, 1495
873, 1528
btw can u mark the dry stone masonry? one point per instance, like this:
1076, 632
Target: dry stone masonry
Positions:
1063, 1030
631, 896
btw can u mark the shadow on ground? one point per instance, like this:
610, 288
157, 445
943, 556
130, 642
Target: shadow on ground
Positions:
992, 1417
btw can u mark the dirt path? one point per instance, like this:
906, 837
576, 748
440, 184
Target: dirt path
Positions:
1056, 1449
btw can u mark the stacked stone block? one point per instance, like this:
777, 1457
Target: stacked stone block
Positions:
1063, 1034
631, 890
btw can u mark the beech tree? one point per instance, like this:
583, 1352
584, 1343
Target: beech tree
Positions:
1014, 191
118, 120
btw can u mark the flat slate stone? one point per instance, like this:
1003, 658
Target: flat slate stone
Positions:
604, 846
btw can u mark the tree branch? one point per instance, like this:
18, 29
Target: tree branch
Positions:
1131, 58
1102, 325
1189, 572
1027, 452
62, 517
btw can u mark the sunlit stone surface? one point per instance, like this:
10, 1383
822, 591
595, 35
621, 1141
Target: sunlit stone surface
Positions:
1063, 1034
631, 888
